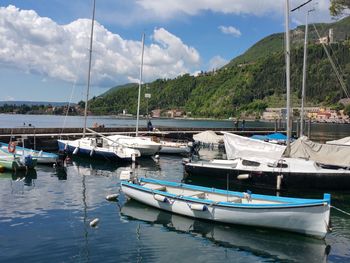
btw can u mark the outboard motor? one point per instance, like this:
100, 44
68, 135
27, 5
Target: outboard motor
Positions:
28, 161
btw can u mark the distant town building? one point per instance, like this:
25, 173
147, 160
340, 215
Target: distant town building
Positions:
156, 113
327, 39
174, 113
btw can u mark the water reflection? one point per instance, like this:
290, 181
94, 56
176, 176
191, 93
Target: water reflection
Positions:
270, 244
27, 178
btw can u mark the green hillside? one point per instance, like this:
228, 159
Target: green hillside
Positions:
275, 42
248, 84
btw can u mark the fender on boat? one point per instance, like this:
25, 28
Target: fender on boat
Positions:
198, 207
160, 198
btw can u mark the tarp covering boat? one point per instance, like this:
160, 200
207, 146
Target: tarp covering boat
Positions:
343, 141
275, 137
322, 153
208, 137
242, 147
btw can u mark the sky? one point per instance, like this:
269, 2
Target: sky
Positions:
44, 45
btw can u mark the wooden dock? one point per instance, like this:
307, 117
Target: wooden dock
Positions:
45, 138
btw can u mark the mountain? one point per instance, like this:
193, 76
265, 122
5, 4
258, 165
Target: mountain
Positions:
249, 83
275, 42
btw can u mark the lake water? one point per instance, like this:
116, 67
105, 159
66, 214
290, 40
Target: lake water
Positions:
45, 215
319, 131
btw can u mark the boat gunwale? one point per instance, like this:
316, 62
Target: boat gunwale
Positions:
298, 202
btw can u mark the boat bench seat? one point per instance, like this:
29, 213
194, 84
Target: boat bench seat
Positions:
198, 195
155, 187
235, 200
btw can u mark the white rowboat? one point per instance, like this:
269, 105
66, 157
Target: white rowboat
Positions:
306, 216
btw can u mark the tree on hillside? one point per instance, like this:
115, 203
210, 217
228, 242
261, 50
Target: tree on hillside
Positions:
337, 7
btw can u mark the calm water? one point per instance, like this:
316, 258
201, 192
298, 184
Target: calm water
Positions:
45, 215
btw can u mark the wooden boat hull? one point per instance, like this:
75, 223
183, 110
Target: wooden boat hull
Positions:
309, 219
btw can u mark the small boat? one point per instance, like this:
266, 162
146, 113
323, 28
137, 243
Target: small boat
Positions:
257, 163
14, 163
306, 216
41, 156
101, 148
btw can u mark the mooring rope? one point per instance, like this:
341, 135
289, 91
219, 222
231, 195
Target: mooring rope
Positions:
340, 210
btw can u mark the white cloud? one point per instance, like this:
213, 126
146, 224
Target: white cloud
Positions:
217, 62
170, 9
230, 30
38, 45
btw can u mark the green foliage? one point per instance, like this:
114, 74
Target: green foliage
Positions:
337, 7
347, 110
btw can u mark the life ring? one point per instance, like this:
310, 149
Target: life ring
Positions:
12, 147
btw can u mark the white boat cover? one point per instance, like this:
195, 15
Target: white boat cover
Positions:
322, 153
342, 141
208, 137
242, 147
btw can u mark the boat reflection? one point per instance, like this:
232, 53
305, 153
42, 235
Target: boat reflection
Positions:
261, 242
143, 167
27, 177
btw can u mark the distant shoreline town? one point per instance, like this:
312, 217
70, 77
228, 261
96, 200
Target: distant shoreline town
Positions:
314, 114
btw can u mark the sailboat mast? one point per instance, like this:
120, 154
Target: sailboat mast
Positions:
304, 74
140, 83
304, 77
89, 71
287, 55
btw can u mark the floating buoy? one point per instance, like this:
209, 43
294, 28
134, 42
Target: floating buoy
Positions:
243, 176
94, 222
160, 198
156, 156
76, 150
112, 197
199, 207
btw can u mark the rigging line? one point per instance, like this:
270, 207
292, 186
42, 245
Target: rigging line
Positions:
340, 210
341, 81
300, 6
68, 107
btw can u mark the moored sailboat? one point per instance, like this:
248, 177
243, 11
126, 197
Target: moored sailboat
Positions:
96, 147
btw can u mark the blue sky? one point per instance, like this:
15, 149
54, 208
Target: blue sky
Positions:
44, 44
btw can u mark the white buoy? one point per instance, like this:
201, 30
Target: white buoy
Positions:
76, 150
199, 207
94, 222
112, 197
243, 176
160, 198
156, 156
